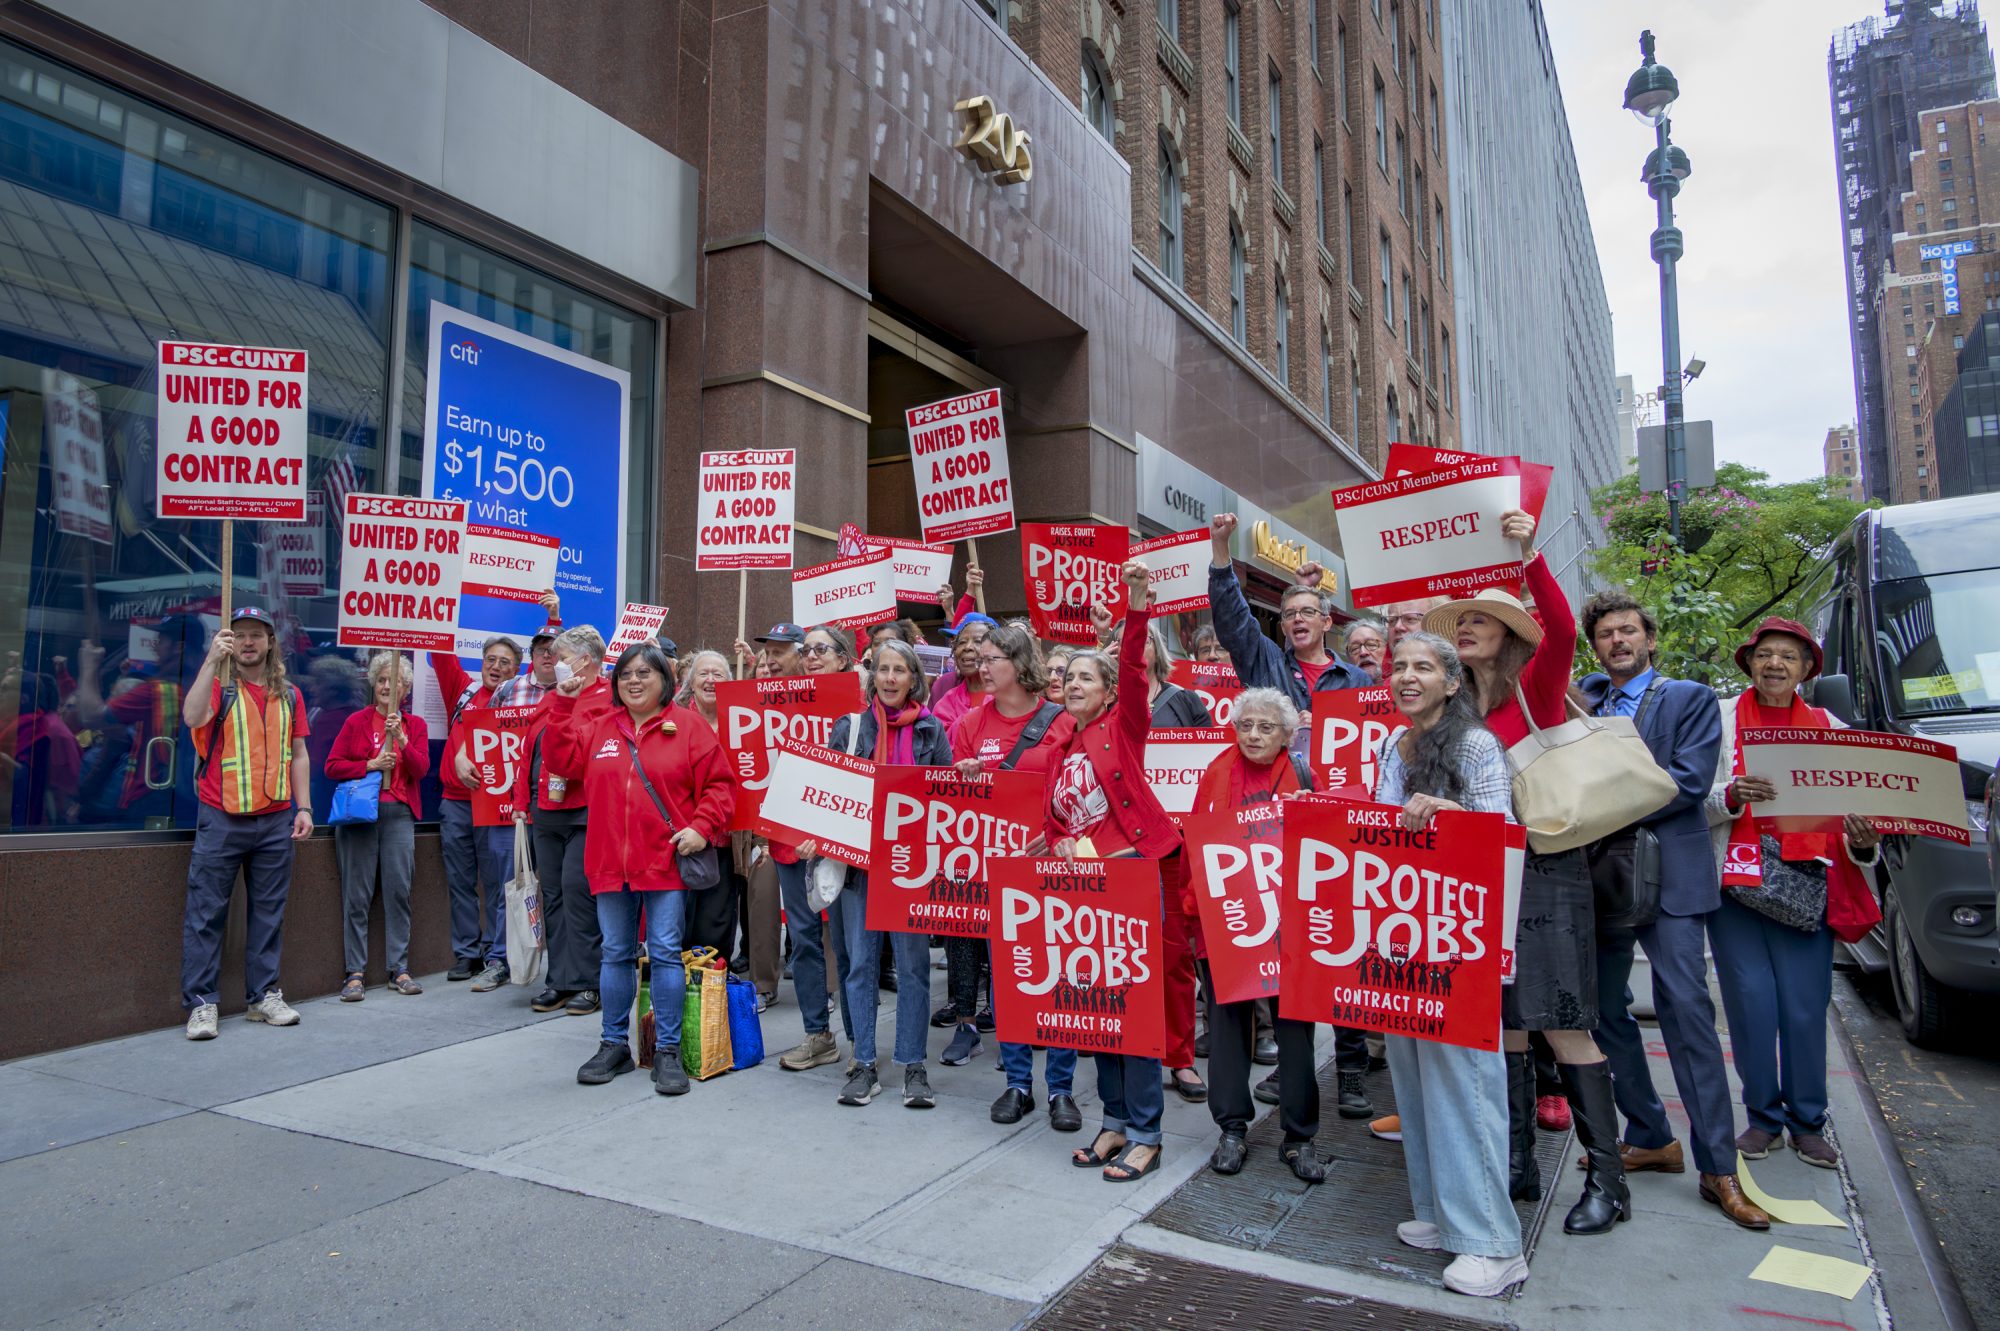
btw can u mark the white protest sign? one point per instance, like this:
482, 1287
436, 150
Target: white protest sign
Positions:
1432, 534
853, 593
511, 565
300, 550
744, 515
959, 449
918, 569
636, 624
402, 564
1904, 784
1176, 570
1175, 760
232, 432
73, 430
822, 795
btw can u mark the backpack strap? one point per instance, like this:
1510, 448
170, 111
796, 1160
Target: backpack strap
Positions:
215, 726
1031, 734
464, 700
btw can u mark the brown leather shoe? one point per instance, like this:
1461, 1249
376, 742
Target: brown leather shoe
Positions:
1727, 1193
1661, 1160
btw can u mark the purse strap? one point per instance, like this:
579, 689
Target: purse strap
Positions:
1571, 712
647, 782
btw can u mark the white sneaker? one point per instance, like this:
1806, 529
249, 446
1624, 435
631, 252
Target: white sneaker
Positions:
202, 1022
1420, 1234
1485, 1277
273, 1010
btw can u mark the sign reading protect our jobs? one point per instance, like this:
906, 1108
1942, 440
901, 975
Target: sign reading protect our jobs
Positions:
232, 432
533, 438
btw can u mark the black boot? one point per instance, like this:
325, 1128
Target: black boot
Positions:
1606, 1200
1524, 1174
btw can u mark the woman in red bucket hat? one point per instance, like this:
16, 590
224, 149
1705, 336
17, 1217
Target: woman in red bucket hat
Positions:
1786, 896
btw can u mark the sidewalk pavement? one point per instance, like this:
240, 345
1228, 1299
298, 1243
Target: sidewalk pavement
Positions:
432, 1161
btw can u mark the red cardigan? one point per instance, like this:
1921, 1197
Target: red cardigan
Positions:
1116, 746
596, 697
629, 844
360, 739
451, 680
1545, 679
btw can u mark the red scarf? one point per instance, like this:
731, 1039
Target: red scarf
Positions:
1233, 782
1851, 909
895, 743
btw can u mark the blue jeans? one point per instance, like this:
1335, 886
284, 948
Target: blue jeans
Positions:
260, 845
862, 984
618, 973
1059, 1066
1776, 984
808, 949
1454, 1106
474, 856
1134, 1096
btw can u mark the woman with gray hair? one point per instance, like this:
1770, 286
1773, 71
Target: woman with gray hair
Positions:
382, 740
1261, 768
1453, 1098
554, 809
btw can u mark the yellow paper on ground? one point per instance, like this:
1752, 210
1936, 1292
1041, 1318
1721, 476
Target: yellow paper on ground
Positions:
1811, 1271
1806, 1212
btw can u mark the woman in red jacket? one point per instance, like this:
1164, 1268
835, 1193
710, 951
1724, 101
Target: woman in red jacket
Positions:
381, 739
1097, 790
554, 810
658, 787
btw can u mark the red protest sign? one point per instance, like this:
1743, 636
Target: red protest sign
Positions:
512, 565
753, 714
1415, 459
1076, 955
1066, 568
1434, 534
744, 518
1235, 860
402, 563
1348, 728
854, 592
917, 570
934, 832
1175, 760
1392, 930
495, 739
1177, 570
232, 432
959, 449
1903, 784
1216, 683
819, 795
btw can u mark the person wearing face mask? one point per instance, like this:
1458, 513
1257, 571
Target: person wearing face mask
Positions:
1015, 730
1097, 789
1453, 1098
474, 857
659, 788
895, 728
555, 811
382, 739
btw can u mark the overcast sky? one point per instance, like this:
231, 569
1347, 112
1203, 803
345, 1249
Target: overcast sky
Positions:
1761, 292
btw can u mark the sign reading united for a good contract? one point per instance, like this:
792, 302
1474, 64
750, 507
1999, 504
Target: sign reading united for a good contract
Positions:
745, 515
402, 564
959, 449
232, 432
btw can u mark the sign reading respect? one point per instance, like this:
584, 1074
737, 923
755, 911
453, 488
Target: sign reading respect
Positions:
1175, 760
1176, 570
1903, 784
959, 449
918, 570
819, 795
752, 715
509, 565
854, 592
1433, 534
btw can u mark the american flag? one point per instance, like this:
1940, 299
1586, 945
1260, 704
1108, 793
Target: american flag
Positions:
341, 476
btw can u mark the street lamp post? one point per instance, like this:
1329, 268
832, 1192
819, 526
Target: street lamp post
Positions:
1649, 94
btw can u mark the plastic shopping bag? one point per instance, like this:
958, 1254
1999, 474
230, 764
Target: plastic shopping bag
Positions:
527, 945
705, 1050
746, 1032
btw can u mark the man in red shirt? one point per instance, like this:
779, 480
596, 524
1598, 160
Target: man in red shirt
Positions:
254, 784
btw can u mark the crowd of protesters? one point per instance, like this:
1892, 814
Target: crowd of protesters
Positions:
625, 797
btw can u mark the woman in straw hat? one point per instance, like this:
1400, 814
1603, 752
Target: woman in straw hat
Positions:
1513, 662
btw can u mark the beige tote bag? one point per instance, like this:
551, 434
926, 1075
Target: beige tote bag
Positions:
1584, 779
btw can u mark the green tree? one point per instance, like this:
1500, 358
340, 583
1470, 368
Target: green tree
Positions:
1748, 548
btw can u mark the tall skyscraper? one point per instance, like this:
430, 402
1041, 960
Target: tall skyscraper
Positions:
1884, 73
1537, 375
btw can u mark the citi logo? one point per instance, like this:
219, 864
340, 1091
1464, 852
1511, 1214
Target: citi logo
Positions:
610, 749
466, 350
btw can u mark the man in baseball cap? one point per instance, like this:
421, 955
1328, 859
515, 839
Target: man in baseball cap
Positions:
788, 634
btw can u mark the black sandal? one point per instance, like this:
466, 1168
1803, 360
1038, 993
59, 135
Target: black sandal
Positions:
1304, 1161
1229, 1153
1124, 1163
1088, 1157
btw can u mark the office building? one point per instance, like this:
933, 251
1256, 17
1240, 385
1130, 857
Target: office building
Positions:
1883, 75
1840, 456
1966, 423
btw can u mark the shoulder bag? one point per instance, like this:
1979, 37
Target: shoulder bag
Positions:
356, 801
699, 871
1584, 779
1625, 866
829, 876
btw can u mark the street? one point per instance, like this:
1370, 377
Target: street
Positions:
1943, 1109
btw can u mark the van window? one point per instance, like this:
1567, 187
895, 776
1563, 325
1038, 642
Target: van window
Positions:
1939, 643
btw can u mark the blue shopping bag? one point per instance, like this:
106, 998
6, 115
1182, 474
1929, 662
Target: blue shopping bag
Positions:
356, 801
746, 1032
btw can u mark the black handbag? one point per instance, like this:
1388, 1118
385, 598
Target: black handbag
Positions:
1625, 878
1791, 894
699, 871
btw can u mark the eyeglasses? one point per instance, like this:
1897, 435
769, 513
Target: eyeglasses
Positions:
1259, 728
992, 660
817, 649
1303, 612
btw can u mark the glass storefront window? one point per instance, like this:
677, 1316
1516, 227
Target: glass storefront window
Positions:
121, 224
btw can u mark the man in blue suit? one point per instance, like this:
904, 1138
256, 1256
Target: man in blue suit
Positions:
1682, 726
